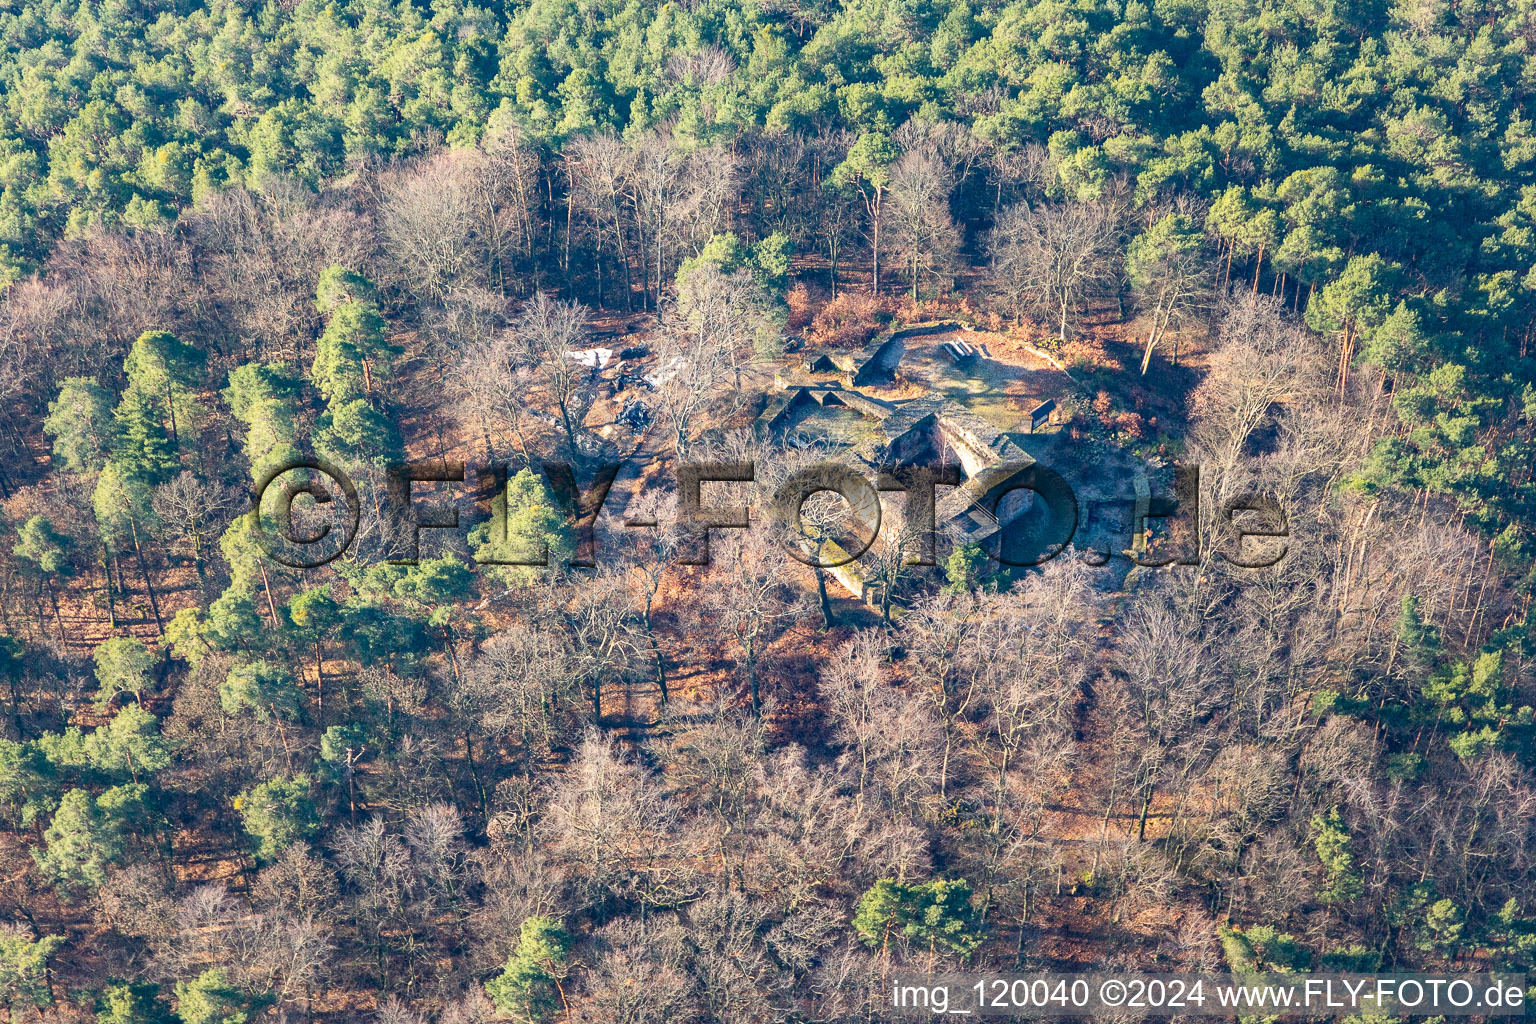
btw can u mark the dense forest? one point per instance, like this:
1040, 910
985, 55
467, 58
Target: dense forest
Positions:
1291, 242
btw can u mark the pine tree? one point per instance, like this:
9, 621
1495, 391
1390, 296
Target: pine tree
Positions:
124, 1002
24, 974
210, 998
1342, 880
963, 567
528, 987
535, 530
80, 423
143, 443
353, 339
128, 746
123, 513
263, 397
316, 615
12, 667
261, 688
867, 170
87, 834
162, 372
47, 549
278, 813
122, 666
934, 916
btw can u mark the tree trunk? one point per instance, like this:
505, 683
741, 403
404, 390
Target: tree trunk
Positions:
827, 622
170, 408
597, 268
874, 247
267, 586
1146, 357
197, 563
657, 660
629, 283
154, 605
570, 433
1023, 925
660, 240
106, 573
453, 658
757, 706
565, 258
474, 774
53, 599
15, 684
640, 247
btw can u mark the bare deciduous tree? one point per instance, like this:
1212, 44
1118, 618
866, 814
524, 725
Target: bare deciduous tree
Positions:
639, 975
680, 198
598, 623
895, 741
1051, 259
491, 382
521, 685
647, 561
599, 171
261, 255
616, 829
697, 360
926, 239
1260, 362
550, 332
300, 882
191, 508
450, 218
754, 601
507, 188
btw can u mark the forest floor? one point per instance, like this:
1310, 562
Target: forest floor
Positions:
1001, 386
